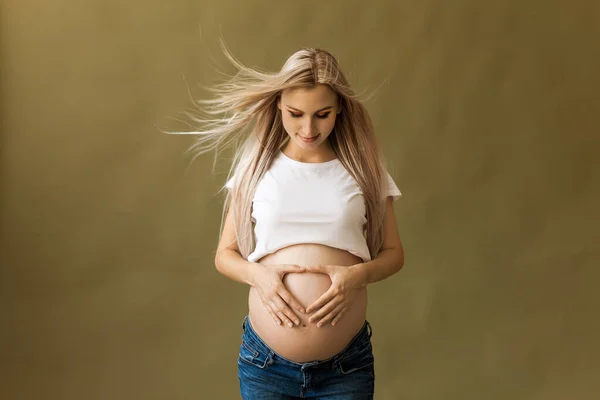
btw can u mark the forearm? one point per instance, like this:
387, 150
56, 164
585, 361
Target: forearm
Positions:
387, 263
231, 264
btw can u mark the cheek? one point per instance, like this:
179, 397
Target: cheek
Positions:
327, 125
288, 124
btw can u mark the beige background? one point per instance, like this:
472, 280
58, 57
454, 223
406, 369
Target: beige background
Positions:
488, 112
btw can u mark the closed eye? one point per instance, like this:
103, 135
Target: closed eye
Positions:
322, 116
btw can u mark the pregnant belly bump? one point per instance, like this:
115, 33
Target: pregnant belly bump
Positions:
307, 342
306, 288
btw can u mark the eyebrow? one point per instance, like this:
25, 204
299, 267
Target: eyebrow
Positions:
322, 109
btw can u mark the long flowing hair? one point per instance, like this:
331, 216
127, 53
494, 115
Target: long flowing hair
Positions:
244, 111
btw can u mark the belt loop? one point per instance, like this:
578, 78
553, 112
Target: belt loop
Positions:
244, 323
369, 329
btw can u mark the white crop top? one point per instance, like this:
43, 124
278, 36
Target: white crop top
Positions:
297, 202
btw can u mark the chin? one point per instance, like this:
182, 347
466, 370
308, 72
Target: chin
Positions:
308, 145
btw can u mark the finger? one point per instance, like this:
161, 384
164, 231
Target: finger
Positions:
292, 268
337, 317
293, 319
288, 312
283, 306
275, 318
279, 306
291, 300
289, 268
317, 268
269, 309
321, 301
327, 308
331, 315
278, 313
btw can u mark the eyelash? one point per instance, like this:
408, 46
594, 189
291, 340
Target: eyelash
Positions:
318, 116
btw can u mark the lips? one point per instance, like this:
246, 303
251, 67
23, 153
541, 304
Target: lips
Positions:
308, 140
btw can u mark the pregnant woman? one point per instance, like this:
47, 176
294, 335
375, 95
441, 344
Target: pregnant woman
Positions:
308, 223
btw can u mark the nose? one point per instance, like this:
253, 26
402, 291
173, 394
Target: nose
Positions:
308, 128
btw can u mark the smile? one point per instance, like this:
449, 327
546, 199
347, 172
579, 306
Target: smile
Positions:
309, 140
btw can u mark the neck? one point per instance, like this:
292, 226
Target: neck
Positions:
322, 154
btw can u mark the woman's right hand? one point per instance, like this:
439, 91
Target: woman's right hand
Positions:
268, 280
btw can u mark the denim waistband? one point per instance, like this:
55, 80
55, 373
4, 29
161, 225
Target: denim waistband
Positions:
364, 334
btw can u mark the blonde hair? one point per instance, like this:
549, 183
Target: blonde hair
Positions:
244, 110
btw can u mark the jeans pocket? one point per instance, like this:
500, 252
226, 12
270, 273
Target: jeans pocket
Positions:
357, 360
249, 355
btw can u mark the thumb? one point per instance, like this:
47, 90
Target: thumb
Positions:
292, 268
318, 268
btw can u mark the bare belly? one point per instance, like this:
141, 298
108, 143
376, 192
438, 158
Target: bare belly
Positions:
306, 342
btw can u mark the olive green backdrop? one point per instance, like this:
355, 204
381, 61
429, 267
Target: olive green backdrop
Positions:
487, 111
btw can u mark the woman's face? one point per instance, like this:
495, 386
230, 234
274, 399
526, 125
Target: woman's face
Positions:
309, 113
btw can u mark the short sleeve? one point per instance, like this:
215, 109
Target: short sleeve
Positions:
393, 188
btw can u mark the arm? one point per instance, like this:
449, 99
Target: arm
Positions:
228, 260
266, 279
333, 303
390, 258
231, 264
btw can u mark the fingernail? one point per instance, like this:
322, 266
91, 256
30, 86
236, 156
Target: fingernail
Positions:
290, 324
319, 325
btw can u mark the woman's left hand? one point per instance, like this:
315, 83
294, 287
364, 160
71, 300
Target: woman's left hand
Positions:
334, 302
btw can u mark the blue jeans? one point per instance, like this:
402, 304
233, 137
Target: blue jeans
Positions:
264, 374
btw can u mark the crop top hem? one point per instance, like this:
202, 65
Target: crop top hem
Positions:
255, 256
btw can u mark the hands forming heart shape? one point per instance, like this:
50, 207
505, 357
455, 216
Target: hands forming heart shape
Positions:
331, 305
